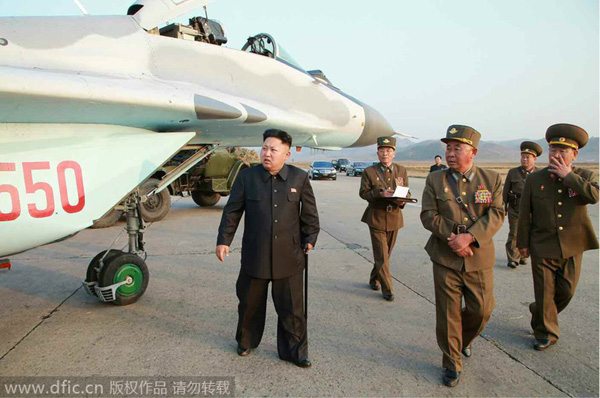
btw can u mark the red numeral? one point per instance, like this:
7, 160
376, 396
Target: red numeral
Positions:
14, 195
62, 185
31, 187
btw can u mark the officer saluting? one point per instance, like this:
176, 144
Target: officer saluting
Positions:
383, 215
554, 227
462, 207
511, 194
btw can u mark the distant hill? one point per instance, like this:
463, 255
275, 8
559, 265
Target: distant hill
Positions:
406, 149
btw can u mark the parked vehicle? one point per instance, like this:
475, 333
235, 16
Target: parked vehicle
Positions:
356, 168
342, 164
321, 169
334, 162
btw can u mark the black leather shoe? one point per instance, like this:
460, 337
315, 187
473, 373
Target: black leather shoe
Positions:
467, 351
542, 344
513, 264
522, 261
375, 287
243, 352
303, 363
451, 378
388, 297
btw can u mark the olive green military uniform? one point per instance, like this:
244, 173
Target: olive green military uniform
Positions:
511, 194
384, 218
457, 278
555, 226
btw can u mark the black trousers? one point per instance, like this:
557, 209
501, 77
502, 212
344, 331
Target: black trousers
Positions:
292, 344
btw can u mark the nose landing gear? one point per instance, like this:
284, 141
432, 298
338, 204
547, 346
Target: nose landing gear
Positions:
118, 277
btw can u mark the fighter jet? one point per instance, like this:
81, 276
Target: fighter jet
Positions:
90, 106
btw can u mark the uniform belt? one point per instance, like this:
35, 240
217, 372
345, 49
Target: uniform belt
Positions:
387, 207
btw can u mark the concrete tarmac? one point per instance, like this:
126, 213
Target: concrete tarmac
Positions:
360, 344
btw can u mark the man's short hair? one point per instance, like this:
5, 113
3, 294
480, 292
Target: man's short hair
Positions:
282, 135
437, 156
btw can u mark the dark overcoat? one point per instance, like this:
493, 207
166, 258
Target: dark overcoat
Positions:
280, 219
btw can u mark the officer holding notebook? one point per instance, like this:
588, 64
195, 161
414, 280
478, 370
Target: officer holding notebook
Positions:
383, 214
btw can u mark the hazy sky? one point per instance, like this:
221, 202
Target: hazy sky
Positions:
509, 68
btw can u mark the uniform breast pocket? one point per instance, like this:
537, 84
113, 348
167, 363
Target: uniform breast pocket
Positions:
293, 197
443, 201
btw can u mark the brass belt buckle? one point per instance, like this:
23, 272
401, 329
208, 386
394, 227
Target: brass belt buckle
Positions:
389, 208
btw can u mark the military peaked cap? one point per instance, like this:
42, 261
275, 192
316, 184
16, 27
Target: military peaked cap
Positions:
386, 141
531, 148
567, 135
465, 134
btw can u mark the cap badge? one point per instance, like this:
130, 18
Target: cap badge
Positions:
386, 141
453, 130
562, 139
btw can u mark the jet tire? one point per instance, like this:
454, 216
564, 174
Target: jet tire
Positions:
118, 269
91, 274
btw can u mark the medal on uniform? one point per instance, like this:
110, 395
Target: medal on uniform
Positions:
483, 195
541, 188
293, 190
399, 181
572, 193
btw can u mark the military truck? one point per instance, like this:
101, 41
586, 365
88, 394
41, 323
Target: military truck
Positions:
208, 181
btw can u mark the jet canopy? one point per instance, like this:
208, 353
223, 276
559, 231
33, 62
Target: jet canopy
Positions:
264, 44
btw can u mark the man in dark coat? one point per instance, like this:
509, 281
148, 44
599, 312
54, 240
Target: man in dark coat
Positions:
281, 224
511, 194
438, 164
555, 229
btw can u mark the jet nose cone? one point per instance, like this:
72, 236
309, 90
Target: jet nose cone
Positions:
375, 126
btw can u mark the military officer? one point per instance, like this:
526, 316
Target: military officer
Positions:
555, 229
463, 209
511, 194
281, 220
383, 214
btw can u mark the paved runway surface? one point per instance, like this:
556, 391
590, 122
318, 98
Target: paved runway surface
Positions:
360, 344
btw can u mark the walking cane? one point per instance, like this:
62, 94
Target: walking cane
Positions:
305, 285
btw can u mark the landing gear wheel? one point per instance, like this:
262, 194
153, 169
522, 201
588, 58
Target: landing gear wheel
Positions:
108, 220
92, 273
125, 267
155, 207
205, 199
